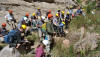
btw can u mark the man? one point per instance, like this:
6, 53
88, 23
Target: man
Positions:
39, 26
14, 37
24, 21
79, 11
49, 12
40, 51
10, 19
62, 15
3, 31
38, 13
67, 19
50, 16
34, 22
56, 22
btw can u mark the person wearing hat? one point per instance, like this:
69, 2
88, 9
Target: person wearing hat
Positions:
48, 12
15, 36
3, 31
10, 19
50, 17
61, 31
38, 13
34, 22
24, 21
67, 19
62, 15
59, 12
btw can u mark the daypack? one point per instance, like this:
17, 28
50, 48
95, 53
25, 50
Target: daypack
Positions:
14, 36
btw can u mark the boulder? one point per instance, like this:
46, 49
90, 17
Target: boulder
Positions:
9, 52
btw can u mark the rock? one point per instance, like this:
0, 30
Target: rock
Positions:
87, 43
9, 52
66, 43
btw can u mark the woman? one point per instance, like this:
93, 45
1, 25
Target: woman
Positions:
40, 51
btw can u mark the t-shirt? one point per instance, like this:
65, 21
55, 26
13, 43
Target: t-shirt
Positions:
9, 16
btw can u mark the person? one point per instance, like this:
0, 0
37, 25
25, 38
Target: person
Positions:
56, 24
59, 12
34, 22
38, 13
67, 20
24, 21
14, 37
10, 19
61, 31
79, 11
33, 17
62, 15
49, 26
40, 51
50, 16
49, 12
3, 31
58, 18
39, 27
44, 28
27, 20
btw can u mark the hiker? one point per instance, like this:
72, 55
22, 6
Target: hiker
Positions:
56, 24
58, 18
44, 26
67, 19
24, 21
62, 15
40, 51
14, 36
27, 20
46, 42
3, 32
61, 31
39, 26
49, 26
49, 16
59, 12
34, 22
70, 11
38, 13
49, 12
10, 19
79, 11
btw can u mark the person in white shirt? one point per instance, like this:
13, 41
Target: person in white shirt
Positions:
10, 19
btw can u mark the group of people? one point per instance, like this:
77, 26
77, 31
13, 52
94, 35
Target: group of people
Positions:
46, 26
